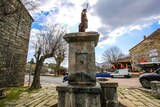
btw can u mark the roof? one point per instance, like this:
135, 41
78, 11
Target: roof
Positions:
128, 59
149, 37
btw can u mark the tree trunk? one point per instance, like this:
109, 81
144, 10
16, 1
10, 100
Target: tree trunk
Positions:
36, 80
57, 69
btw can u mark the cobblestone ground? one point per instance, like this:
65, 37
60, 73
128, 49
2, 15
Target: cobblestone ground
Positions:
131, 97
48, 96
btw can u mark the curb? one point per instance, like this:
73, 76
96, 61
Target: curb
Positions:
146, 90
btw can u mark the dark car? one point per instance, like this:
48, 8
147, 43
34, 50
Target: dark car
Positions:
65, 78
147, 77
105, 74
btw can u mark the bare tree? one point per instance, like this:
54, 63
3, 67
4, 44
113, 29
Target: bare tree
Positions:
49, 41
112, 54
9, 7
59, 57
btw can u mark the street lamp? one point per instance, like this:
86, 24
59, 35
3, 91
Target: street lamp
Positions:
31, 62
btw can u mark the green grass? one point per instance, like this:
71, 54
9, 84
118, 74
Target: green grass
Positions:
158, 97
13, 93
32, 91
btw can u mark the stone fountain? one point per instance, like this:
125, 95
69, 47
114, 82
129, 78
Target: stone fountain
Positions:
82, 89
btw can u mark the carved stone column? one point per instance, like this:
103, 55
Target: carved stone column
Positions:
82, 89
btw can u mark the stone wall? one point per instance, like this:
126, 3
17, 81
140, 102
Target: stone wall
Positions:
155, 87
142, 51
109, 97
14, 38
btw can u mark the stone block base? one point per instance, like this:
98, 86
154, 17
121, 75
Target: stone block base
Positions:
109, 96
79, 96
155, 87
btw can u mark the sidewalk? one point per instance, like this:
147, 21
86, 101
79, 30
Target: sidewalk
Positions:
132, 97
48, 96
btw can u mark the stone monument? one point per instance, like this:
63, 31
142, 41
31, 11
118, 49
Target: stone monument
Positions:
82, 89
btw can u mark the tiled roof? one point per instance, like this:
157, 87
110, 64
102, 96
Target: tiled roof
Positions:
128, 59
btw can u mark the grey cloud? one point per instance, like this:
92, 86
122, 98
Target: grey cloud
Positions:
104, 31
84, 5
67, 3
116, 13
103, 38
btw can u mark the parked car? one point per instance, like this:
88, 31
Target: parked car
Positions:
105, 74
147, 77
121, 73
65, 78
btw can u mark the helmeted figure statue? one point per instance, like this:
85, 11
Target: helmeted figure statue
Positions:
84, 21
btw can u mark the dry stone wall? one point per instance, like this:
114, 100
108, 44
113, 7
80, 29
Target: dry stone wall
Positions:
14, 38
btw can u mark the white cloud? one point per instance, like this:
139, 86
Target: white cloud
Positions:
33, 38
109, 18
65, 16
123, 16
117, 33
159, 22
48, 5
51, 60
67, 12
106, 17
33, 34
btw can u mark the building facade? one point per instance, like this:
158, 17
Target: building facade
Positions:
122, 63
148, 50
15, 26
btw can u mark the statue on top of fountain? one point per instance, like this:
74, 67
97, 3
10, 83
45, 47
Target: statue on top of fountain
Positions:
84, 21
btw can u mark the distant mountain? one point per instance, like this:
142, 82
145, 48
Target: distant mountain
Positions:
102, 63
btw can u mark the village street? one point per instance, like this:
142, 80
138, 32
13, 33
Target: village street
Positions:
122, 82
47, 80
130, 94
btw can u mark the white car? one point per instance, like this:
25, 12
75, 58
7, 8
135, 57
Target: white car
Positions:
121, 73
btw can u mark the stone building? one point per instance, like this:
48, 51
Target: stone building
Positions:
148, 50
122, 63
15, 26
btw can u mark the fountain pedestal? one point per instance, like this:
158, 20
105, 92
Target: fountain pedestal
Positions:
82, 89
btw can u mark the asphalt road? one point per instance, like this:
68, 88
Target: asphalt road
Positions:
127, 82
48, 80
122, 82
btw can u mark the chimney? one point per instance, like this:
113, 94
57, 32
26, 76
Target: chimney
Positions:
144, 37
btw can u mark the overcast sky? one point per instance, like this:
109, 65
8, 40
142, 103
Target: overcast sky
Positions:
121, 23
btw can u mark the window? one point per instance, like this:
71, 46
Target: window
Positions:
116, 72
158, 71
